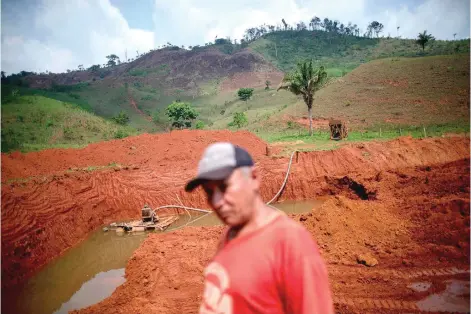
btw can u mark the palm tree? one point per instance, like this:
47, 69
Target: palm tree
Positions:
305, 81
423, 39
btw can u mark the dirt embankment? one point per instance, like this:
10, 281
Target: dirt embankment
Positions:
153, 150
415, 224
43, 217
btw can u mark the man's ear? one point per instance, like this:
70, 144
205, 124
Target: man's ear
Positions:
255, 174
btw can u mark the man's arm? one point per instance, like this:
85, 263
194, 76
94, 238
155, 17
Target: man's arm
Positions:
305, 285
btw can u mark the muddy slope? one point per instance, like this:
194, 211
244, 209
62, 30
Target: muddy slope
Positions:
44, 216
416, 227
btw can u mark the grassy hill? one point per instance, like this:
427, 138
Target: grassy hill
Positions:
35, 122
389, 93
339, 53
207, 77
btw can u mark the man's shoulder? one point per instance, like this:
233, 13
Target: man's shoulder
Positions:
287, 228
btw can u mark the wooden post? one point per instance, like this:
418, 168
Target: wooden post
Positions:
425, 133
379, 132
400, 131
276, 52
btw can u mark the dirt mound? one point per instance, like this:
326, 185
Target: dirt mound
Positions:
164, 274
150, 150
158, 280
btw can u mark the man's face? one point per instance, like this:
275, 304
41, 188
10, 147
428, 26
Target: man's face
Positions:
233, 199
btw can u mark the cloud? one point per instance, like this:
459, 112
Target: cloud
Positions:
56, 35
61, 35
191, 22
442, 18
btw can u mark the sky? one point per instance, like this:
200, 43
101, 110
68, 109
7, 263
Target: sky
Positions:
56, 35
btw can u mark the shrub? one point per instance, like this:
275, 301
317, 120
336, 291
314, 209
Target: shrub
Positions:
120, 134
122, 118
239, 120
245, 93
199, 125
181, 114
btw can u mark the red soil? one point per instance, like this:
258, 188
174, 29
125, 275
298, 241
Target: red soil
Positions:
154, 150
415, 218
136, 108
417, 231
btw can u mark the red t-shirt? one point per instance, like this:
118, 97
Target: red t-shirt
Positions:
274, 269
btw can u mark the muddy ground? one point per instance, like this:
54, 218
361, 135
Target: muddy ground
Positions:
404, 203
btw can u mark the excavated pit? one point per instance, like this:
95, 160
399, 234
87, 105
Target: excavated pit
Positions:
392, 203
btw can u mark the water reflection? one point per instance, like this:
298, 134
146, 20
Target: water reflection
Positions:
59, 280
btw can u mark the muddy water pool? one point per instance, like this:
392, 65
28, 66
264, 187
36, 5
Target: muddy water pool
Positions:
91, 271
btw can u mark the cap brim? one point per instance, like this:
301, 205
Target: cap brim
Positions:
193, 184
218, 174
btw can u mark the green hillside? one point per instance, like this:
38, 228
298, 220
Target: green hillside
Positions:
144, 87
341, 53
390, 93
35, 122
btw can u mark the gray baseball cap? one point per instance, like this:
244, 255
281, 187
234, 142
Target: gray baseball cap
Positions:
218, 162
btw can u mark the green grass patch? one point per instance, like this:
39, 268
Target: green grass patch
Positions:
322, 141
31, 123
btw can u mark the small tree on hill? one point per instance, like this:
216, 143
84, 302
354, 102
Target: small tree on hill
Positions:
94, 68
305, 81
112, 59
375, 27
181, 114
423, 39
267, 83
122, 118
239, 120
245, 93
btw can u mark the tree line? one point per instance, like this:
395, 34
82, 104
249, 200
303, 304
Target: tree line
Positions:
373, 29
316, 23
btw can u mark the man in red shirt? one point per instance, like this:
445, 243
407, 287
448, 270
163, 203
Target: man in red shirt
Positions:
266, 262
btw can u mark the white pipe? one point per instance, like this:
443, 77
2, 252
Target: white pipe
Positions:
209, 211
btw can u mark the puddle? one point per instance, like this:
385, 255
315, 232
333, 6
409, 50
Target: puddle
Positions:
299, 207
289, 207
420, 286
100, 287
455, 298
91, 271
85, 275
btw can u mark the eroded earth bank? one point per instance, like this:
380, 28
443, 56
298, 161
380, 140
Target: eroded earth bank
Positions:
403, 203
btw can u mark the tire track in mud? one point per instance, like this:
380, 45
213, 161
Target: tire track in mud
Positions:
400, 274
390, 303
376, 304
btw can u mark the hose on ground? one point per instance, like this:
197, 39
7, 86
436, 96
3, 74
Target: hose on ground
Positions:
207, 212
